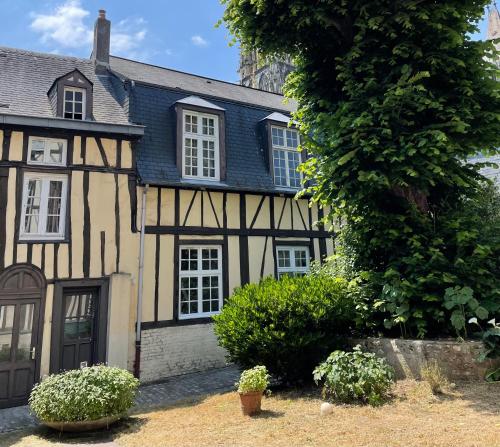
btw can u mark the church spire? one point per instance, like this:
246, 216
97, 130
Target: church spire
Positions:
494, 24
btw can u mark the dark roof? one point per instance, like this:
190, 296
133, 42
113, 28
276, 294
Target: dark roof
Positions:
26, 77
190, 83
246, 164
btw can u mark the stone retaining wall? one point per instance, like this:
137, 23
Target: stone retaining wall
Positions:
176, 350
457, 360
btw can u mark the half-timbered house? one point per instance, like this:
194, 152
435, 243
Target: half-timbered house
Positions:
133, 200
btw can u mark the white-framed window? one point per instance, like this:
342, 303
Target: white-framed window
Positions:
200, 281
200, 146
74, 103
286, 158
43, 206
292, 260
47, 151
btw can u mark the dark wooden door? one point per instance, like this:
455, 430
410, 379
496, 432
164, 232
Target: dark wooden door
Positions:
80, 316
21, 293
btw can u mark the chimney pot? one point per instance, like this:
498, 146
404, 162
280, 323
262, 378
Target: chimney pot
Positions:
102, 13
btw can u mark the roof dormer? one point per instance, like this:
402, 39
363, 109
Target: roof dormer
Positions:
71, 96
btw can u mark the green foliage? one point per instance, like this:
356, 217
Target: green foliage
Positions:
288, 325
84, 394
462, 303
490, 337
255, 379
354, 377
393, 99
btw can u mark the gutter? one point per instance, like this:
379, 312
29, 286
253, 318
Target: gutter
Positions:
137, 362
61, 123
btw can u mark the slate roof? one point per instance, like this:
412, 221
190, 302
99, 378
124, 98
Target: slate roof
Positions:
246, 165
210, 88
26, 77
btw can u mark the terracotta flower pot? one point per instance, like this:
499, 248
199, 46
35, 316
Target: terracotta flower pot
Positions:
250, 402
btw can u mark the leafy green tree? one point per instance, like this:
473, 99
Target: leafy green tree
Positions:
394, 98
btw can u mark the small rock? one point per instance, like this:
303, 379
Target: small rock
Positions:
326, 409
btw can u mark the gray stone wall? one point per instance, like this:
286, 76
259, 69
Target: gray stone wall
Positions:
457, 360
176, 350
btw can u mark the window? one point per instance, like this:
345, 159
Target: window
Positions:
286, 158
43, 206
200, 281
47, 151
74, 103
293, 261
200, 146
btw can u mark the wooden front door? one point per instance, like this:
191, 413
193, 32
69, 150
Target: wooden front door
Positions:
79, 328
22, 290
79, 324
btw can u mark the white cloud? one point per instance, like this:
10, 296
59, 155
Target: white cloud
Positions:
199, 41
69, 26
65, 26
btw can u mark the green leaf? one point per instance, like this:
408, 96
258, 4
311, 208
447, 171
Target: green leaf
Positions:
343, 160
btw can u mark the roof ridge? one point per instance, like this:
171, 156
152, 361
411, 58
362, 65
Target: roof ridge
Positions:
234, 84
41, 54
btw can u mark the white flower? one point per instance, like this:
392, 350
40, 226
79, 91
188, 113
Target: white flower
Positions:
473, 320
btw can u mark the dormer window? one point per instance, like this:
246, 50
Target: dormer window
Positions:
200, 140
71, 96
201, 146
286, 158
74, 103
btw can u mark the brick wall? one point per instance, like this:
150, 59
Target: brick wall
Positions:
175, 350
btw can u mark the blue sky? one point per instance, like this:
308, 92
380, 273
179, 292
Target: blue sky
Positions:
178, 34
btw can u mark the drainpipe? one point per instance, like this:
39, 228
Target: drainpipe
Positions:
137, 363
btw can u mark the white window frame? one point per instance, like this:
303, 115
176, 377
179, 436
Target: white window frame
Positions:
42, 217
199, 273
200, 137
287, 150
293, 269
46, 155
84, 102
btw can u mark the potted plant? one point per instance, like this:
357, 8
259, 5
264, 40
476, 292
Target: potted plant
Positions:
252, 384
84, 399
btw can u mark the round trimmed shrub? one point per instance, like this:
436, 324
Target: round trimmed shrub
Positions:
85, 394
288, 325
354, 377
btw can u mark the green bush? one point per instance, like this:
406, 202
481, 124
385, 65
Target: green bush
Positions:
84, 394
354, 377
288, 325
255, 379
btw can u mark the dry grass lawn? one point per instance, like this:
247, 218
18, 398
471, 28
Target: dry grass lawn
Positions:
466, 416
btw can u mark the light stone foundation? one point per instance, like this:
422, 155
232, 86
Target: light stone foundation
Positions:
176, 350
457, 360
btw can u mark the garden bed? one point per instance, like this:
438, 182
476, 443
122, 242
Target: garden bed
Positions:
467, 416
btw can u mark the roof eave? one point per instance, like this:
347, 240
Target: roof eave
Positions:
61, 123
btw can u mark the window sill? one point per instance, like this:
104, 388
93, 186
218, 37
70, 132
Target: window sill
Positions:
42, 240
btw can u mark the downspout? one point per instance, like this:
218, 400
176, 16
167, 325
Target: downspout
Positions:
137, 363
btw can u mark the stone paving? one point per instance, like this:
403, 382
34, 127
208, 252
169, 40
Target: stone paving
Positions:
168, 392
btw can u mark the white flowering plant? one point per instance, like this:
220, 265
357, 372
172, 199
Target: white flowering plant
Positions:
253, 380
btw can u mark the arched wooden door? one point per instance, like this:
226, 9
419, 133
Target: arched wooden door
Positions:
22, 294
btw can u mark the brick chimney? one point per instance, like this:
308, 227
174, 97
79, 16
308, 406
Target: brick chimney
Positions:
102, 34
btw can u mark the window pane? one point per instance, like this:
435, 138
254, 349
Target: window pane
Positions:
6, 325
55, 151
68, 95
300, 258
279, 167
78, 96
284, 258
54, 206
278, 136
23, 351
33, 197
68, 107
291, 138
37, 150
293, 164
